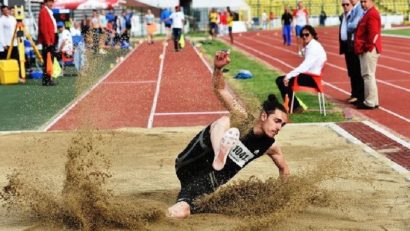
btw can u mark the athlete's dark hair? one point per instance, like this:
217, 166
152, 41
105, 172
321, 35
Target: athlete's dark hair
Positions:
271, 104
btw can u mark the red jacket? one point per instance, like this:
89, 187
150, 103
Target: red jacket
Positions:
46, 29
368, 28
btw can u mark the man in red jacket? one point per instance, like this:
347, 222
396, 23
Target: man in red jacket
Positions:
368, 45
47, 27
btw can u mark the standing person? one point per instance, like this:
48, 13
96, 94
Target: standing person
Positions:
7, 27
213, 23
47, 36
167, 23
96, 32
150, 26
368, 45
312, 65
178, 21
287, 27
229, 20
217, 153
271, 21
223, 23
354, 69
300, 18
264, 20
346, 47
322, 18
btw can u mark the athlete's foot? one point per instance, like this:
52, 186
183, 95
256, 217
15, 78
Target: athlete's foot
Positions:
179, 210
229, 140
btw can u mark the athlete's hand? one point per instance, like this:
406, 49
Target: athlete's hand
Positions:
221, 59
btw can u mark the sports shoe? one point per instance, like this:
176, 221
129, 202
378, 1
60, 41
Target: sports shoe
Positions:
351, 100
228, 141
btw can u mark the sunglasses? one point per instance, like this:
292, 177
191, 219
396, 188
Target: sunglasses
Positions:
304, 35
345, 4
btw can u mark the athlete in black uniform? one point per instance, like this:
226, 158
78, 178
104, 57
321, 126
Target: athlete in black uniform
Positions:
208, 162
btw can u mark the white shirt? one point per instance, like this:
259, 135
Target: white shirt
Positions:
343, 27
300, 17
315, 58
103, 21
75, 32
68, 45
177, 19
7, 26
50, 12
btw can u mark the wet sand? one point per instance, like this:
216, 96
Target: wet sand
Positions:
134, 178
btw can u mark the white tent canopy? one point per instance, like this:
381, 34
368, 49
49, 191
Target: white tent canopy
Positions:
233, 4
160, 3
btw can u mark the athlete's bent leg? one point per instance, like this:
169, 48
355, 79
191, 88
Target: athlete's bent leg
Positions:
179, 210
229, 140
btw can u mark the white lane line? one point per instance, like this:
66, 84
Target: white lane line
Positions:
265, 55
402, 51
396, 167
191, 113
331, 85
73, 103
203, 60
388, 134
338, 67
157, 88
130, 82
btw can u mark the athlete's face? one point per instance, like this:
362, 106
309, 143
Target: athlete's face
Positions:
272, 123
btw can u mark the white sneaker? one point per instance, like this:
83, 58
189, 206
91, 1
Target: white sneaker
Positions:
228, 141
103, 52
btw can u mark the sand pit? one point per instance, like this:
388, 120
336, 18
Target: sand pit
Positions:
131, 179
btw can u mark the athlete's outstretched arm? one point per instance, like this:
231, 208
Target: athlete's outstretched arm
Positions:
219, 86
276, 155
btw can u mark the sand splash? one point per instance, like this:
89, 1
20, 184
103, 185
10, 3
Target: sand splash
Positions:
85, 202
264, 204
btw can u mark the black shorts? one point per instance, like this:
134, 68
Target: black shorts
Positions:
194, 169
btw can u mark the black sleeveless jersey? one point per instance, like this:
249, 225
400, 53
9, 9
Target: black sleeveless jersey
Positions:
197, 158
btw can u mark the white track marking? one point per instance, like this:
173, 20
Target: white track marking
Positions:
155, 101
203, 60
398, 168
191, 113
388, 134
73, 103
130, 82
334, 54
326, 83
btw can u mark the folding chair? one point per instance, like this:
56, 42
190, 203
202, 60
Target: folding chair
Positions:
319, 90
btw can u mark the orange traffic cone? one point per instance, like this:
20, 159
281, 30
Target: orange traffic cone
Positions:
286, 103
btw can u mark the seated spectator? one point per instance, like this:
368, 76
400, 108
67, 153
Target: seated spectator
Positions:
312, 65
65, 41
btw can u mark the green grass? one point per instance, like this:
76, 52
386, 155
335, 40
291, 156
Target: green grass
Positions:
403, 32
28, 106
264, 84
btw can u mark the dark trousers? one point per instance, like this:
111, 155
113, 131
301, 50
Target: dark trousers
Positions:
47, 49
303, 80
356, 80
176, 34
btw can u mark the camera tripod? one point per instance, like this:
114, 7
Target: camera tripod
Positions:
19, 33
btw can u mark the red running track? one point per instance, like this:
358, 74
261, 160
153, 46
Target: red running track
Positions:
143, 91
392, 72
